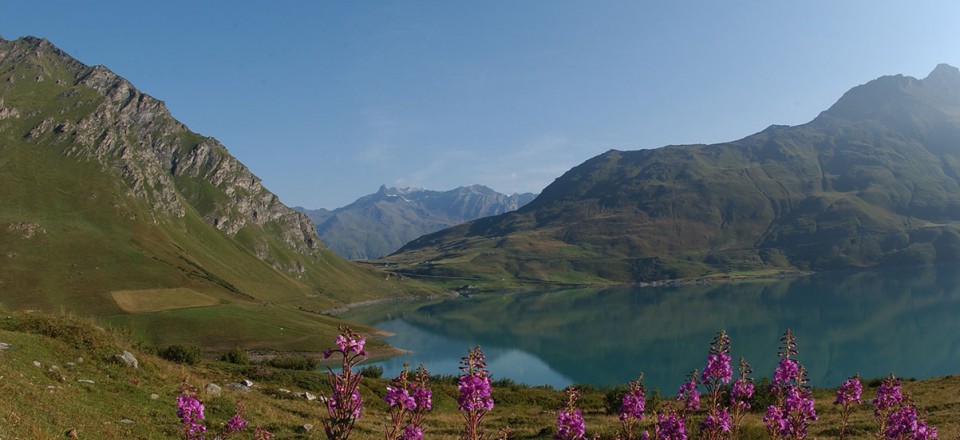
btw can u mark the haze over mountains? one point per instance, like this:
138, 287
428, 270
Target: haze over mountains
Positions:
110, 206
378, 224
872, 181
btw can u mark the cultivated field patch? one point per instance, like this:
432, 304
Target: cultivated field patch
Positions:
155, 300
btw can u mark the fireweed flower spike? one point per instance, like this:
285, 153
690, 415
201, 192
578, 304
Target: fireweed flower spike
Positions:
409, 400
740, 395
905, 423
475, 393
632, 407
889, 396
344, 405
716, 373
793, 412
570, 424
689, 395
847, 396
190, 412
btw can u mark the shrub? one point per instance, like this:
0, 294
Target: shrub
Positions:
237, 356
372, 371
301, 363
181, 354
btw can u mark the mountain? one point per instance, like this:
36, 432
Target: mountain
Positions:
872, 181
109, 206
378, 224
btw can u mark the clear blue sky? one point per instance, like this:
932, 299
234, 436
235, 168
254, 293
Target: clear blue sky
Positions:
326, 100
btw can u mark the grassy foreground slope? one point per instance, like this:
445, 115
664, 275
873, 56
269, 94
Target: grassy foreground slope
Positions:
111, 207
872, 181
78, 386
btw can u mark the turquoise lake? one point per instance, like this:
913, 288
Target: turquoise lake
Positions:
902, 320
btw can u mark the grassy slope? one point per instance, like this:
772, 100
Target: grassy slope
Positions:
71, 233
41, 402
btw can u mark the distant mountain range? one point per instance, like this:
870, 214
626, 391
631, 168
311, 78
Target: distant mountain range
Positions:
378, 224
109, 206
872, 181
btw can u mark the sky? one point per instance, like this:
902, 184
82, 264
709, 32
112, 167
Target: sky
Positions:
327, 100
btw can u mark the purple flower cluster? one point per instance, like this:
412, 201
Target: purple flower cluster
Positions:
718, 368
670, 427
235, 424
570, 425
849, 392
399, 397
905, 424
889, 395
788, 371
412, 433
475, 398
632, 407
717, 422
475, 393
409, 401
190, 412
340, 403
345, 405
689, 394
792, 418
794, 410
633, 404
741, 393
848, 395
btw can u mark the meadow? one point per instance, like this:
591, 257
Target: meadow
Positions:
80, 387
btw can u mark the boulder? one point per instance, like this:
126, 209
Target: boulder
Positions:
213, 390
128, 359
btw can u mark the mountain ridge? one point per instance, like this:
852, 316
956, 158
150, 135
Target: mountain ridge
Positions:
378, 224
870, 181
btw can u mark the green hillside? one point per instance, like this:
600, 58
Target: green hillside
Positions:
872, 181
110, 207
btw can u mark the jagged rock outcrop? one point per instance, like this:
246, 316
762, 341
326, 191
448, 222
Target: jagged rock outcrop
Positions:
134, 135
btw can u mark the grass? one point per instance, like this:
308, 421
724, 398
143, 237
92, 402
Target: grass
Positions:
45, 402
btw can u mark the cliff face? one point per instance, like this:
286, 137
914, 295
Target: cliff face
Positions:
133, 135
109, 206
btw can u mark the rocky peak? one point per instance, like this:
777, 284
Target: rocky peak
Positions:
944, 81
134, 135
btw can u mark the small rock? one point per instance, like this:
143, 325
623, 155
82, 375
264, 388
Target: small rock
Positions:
306, 427
71, 433
4, 346
154, 396
213, 390
53, 368
79, 360
308, 396
71, 364
129, 359
126, 421
36, 364
85, 381
239, 387
246, 383
284, 390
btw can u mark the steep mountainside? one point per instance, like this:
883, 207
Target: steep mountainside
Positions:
110, 206
874, 180
380, 223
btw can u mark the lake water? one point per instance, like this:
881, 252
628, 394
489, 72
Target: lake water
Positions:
903, 320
